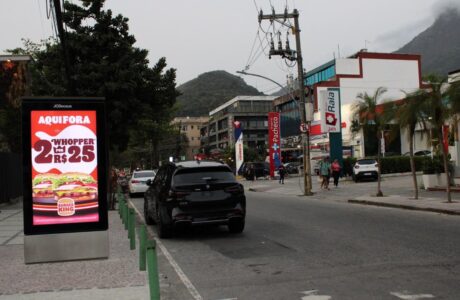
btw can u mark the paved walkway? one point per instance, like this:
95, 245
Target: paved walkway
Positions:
398, 193
117, 277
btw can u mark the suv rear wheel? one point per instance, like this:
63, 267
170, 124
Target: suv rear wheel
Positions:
164, 228
236, 226
148, 219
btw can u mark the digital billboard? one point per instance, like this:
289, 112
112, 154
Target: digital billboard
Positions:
64, 167
64, 153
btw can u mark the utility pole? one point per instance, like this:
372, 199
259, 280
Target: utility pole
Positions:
305, 108
65, 50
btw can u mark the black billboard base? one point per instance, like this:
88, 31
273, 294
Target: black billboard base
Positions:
66, 246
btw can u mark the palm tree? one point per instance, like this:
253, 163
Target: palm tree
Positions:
370, 117
410, 114
439, 111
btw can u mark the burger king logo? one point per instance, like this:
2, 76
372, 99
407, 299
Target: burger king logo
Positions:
66, 207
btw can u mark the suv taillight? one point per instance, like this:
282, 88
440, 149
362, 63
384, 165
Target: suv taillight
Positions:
177, 195
235, 189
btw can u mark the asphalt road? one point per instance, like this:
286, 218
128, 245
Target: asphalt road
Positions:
293, 248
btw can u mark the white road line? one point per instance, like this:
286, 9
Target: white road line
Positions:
188, 284
406, 296
312, 295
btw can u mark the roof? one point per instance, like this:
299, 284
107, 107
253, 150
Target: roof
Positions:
15, 57
242, 98
198, 163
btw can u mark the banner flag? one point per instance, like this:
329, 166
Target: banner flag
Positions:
239, 154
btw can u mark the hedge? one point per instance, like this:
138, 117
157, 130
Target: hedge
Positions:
392, 164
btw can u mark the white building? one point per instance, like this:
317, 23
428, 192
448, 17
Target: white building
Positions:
360, 73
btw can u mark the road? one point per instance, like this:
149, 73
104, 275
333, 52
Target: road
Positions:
315, 249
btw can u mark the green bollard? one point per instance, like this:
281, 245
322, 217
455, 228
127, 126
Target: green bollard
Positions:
142, 247
126, 216
152, 265
132, 229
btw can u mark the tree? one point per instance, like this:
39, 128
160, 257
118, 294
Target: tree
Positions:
104, 62
366, 111
441, 101
410, 114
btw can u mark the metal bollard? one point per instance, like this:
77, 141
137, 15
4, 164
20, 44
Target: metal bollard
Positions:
126, 215
152, 265
132, 229
142, 247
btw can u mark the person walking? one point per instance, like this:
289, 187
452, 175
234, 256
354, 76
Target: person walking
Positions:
282, 172
336, 169
325, 172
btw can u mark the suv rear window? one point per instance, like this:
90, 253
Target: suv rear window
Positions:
366, 161
188, 176
144, 174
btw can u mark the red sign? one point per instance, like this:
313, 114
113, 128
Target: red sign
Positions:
274, 141
64, 167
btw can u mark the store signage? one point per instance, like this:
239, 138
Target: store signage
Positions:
239, 151
274, 141
65, 173
330, 110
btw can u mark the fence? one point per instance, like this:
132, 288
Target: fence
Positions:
10, 176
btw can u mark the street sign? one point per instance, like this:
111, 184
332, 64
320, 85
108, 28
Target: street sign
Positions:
304, 127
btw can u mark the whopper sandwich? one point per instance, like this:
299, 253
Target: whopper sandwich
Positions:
77, 186
42, 187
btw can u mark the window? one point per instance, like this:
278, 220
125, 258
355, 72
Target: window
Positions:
191, 127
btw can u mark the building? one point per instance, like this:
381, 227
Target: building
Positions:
360, 73
250, 111
191, 127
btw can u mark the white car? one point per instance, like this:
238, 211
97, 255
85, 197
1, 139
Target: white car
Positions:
365, 168
138, 181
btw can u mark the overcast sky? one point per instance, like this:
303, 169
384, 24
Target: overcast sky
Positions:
198, 36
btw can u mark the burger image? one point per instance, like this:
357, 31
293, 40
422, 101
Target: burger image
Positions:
77, 186
42, 187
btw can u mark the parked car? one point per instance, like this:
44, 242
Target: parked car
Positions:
420, 153
292, 167
138, 181
194, 193
261, 169
365, 168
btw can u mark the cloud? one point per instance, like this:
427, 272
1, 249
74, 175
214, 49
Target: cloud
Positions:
393, 40
443, 6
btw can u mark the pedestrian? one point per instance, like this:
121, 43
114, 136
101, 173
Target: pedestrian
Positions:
336, 170
325, 172
113, 189
282, 172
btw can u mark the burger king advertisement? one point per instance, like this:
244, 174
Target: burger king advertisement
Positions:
66, 163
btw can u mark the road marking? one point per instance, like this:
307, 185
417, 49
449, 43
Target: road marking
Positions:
405, 296
312, 295
185, 280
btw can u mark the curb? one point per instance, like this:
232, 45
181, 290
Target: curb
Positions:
408, 207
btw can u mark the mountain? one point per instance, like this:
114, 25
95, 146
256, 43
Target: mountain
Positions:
209, 90
439, 44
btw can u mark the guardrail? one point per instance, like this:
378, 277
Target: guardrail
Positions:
147, 247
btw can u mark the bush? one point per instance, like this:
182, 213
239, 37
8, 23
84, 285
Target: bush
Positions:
401, 164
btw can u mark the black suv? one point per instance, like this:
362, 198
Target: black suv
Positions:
194, 193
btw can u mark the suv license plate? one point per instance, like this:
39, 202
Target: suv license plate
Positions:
366, 174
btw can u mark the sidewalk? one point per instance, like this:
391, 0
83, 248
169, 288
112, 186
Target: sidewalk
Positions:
397, 191
117, 277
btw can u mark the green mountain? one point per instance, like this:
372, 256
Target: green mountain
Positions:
439, 45
209, 90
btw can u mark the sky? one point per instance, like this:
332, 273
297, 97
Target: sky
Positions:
198, 36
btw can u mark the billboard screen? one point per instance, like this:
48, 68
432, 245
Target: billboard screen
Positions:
64, 167
65, 158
